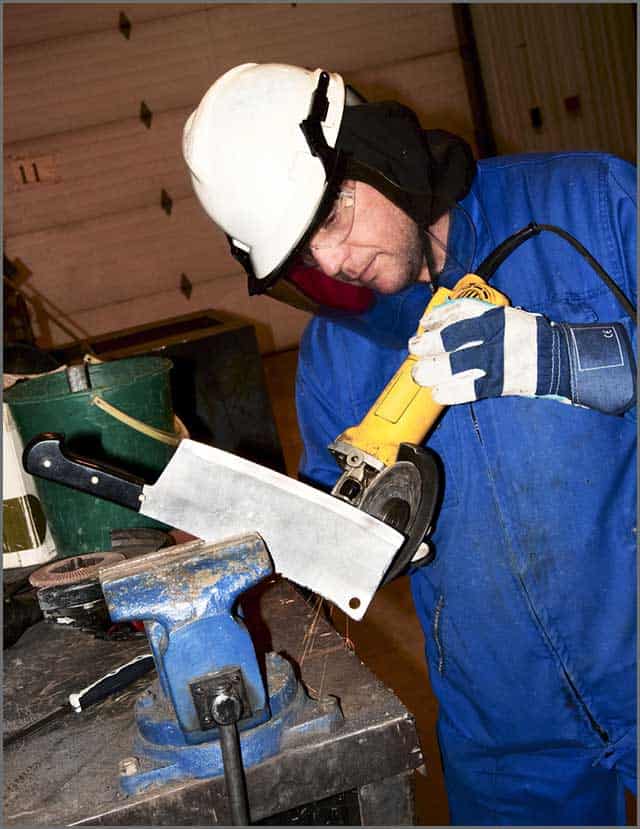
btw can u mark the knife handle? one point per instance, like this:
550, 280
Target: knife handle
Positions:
45, 457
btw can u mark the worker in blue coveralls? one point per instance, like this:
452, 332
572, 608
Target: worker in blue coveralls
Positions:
528, 606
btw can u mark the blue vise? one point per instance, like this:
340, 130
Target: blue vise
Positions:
186, 595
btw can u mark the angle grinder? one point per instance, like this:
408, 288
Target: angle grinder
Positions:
385, 470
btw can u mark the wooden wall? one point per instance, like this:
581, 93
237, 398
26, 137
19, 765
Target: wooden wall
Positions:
83, 175
575, 63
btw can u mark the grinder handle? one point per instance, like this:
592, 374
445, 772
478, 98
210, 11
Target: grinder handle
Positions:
45, 457
405, 412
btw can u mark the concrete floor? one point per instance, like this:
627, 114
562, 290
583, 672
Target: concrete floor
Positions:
389, 639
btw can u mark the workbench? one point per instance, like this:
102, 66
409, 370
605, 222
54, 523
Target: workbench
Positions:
66, 771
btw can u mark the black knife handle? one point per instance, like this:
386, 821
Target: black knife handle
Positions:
45, 457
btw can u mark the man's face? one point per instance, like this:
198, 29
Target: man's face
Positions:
382, 251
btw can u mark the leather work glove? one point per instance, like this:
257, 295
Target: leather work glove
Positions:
471, 350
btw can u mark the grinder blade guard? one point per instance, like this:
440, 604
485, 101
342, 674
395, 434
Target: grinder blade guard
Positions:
404, 495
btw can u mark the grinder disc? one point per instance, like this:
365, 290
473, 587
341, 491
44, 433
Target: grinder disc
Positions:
72, 570
394, 496
405, 496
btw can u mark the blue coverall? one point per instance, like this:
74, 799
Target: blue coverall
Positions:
529, 608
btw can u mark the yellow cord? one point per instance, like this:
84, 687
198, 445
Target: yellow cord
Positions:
157, 434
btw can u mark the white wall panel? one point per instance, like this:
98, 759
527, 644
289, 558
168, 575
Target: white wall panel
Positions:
92, 230
32, 22
343, 36
539, 55
433, 86
278, 327
75, 82
124, 270
96, 171
125, 255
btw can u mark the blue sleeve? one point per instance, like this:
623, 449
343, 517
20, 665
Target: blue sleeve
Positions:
622, 212
595, 365
621, 206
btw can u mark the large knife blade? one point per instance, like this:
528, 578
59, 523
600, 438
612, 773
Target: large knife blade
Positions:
317, 541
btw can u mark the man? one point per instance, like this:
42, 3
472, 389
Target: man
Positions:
528, 606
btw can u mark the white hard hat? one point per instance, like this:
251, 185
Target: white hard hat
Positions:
259, 149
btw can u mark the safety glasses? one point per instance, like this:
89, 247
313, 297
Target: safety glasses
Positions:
335, 228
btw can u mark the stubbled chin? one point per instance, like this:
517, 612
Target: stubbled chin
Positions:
380, 283
383, 288
388, 286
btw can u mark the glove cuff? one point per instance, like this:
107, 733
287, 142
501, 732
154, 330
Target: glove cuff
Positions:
554, 369
590, 365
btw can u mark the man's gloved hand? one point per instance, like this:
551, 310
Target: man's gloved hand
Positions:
470, 350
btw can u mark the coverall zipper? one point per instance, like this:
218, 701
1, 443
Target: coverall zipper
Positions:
601, 732
604, 736
436, 633
476, 425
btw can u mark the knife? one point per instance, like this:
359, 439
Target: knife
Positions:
314, 539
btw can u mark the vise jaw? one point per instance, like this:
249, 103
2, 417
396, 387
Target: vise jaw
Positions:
186, 595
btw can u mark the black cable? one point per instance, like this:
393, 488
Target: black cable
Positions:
488, 266
613, 287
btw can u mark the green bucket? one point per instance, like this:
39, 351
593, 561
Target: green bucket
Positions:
138, 387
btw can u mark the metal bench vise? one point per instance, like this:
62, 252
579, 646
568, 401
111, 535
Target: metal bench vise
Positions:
206, 663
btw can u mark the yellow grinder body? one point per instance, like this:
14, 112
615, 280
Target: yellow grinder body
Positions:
405, 412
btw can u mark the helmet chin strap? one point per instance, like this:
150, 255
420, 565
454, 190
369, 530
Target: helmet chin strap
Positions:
435, 248
430, 261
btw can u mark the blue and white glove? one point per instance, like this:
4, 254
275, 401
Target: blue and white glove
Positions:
471, 350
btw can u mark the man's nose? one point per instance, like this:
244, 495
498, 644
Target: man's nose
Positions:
330, 259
